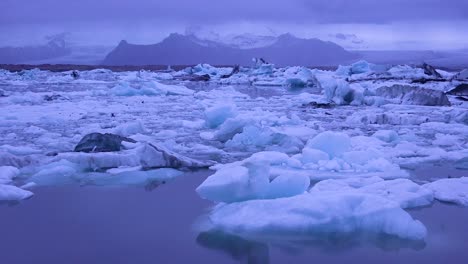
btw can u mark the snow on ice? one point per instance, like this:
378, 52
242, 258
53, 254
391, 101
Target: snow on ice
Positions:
294, 150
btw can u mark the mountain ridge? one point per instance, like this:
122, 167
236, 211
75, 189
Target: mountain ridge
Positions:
178, 49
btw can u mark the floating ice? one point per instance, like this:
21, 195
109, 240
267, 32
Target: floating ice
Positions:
299, 77
20, 150
149, 89
145, 155
60, 172
130, 128
333, 143
132, 178
216, 115
250, 179
311, 155
309, 214
64, 172
413, 95
253, 138
454, 190
402, 191
13, 193
7, 173
388, 136
8, 159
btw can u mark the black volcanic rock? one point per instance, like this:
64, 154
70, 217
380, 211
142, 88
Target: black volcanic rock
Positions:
188, 50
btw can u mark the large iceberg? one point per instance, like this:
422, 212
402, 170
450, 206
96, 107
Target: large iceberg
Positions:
309, 214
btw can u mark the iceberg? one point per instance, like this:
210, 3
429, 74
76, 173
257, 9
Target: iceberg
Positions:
332, 143
251, 179
218, 114
454, 190
254, 138
130, 128
413, 95
61, 172
13, 193
132, 178
7, 174
148, 88
64, 172
402, 191
388, 136
146, 155
309, 214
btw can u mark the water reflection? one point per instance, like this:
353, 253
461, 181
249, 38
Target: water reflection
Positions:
235, 246
257, 250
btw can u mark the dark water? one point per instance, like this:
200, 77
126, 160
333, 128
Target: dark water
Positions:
130, 225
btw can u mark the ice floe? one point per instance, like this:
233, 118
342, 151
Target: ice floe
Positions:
13, 193
309, 214
454, 190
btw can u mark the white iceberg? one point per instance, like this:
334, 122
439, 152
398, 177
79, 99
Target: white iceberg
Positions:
309, 214
402, 191
388, 136
251, 179
454, 190
149, 89
7, 173
333, 143
218, 114
131, 178
13, 193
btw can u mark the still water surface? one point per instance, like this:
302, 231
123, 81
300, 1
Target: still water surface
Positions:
74, 224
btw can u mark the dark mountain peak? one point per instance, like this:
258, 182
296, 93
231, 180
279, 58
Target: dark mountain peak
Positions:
176, 37
178, 49
123, 42
287, 37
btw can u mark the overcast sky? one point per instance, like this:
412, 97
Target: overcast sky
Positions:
374, 24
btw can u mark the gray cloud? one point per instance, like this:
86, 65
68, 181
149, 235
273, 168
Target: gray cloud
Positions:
379, 24
209, 11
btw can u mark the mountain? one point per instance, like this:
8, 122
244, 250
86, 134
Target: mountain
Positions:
180, 49
54, 48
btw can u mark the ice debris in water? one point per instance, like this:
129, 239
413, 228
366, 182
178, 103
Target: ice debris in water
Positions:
217, 114
388, 136
309, 214
10, 192
332, 143
402, 191
149, 88
146, 155
7, 173
63, 172
251, 179
13, 193
454, 190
